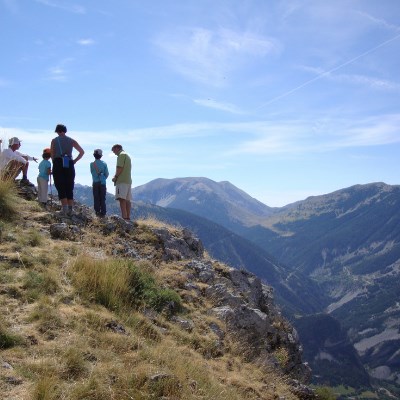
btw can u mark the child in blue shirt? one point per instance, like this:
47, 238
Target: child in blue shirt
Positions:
99, 171
43, 177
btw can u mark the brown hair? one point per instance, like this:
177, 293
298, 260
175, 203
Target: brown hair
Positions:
116, 146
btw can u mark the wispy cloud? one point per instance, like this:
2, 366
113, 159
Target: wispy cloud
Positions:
302, 137
371, 82
208, 56
210, 103
380, 22
66, 6
86, 42
57, 74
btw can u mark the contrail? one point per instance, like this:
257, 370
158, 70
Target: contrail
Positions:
328, 72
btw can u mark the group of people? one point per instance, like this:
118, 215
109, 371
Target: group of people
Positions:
62, 168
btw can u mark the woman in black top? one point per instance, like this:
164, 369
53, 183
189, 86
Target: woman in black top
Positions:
64, 166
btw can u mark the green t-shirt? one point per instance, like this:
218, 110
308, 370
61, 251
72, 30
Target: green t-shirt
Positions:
124, 161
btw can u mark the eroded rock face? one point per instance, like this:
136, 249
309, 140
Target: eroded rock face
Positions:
246, 306
178, 247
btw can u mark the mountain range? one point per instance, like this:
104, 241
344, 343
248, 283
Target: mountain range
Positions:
333, 260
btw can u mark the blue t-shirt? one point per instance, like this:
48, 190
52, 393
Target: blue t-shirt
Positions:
43, 167
102, 174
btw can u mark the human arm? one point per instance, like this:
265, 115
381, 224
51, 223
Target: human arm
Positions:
117, 173
79, 149
27, 158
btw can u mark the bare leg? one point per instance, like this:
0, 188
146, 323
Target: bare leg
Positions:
25, 171
128, 209
123, 207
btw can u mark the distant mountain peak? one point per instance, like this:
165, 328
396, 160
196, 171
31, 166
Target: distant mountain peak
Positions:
204, 197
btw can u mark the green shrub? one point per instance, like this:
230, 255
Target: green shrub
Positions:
325, 393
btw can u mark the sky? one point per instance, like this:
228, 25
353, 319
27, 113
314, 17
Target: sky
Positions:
285, 99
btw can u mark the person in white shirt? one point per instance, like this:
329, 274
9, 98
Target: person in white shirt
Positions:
12, 162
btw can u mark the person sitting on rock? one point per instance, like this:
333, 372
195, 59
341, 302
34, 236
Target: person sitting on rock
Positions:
12, 161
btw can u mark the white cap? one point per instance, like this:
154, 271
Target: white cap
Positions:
14, 140
98, 151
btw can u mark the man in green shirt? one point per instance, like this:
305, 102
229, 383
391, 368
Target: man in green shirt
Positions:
123, 181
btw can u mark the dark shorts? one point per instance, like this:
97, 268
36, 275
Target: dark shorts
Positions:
64, 179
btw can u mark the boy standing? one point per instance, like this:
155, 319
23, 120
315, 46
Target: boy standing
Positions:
43, 177
99, 171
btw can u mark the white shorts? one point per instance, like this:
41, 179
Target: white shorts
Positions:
123, 191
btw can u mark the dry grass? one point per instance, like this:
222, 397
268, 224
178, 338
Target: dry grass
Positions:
59, 305
8, 199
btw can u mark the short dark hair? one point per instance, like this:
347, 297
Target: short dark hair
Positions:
116, 146
60, 128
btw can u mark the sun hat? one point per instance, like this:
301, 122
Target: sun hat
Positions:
14, 140
47, 150
98, 152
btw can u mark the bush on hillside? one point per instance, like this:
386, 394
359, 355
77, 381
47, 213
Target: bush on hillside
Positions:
121, 284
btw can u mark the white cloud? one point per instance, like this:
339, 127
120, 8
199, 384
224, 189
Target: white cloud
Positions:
209, 56
301, 137
74, 8
86, 42
57, 74
371, 82
380, 22
210, 103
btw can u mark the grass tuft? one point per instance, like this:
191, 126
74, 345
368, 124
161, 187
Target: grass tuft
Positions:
75, 364
8, 339
121, 285
9, 199
46, 388
37, 283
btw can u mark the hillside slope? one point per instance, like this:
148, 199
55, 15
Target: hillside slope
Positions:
106, 309
348, 244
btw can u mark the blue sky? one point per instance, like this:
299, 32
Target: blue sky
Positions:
284, 99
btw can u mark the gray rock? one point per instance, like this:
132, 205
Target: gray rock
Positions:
64, 231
